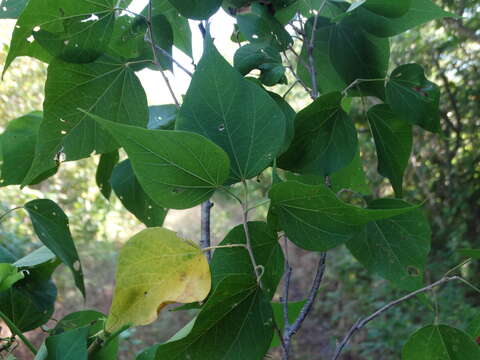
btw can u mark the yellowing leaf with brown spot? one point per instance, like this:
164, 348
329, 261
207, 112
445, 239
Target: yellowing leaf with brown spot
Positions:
155, 268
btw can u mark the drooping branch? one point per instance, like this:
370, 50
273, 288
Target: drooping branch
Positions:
361, 323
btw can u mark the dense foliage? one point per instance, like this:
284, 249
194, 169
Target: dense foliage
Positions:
227, 131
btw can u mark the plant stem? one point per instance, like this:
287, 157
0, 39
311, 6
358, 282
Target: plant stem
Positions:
261, 203
307, 307
362, 322
17, 332
248, 241
310, 48
229, 246
357, 82
8, 212
154, 54
205, 228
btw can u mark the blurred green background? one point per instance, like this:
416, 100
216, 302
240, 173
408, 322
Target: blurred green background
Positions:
444, 173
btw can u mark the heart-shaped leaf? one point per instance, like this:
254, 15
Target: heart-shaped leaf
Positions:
155, 268
105, 88
236, 311
440, 342
413, 97
234, 113
325, 138
315, 219
177, 169
394, 248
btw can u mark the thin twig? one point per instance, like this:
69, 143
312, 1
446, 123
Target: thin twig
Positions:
362, 322
168, 55
205, 228
310, 48
229, 246
286, 287
357, 82
294, 73
9, 212
248, 241
307, 307
155, 58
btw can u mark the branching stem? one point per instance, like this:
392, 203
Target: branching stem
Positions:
362, 322
307, 307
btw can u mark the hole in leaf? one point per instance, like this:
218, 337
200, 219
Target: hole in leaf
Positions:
413, 271
221, 127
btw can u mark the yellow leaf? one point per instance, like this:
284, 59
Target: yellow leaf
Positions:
155, 268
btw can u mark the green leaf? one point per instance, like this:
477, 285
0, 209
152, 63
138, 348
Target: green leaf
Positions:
260, 56
289, 117
473, 328
440, 342
104, 88
393, 141
413, 97
234, 312
18, 147
104, 172
69, 345
131, 42
388, 8
315, 219
266, 249
471, 253
29, 303
234, 113
257, 24
162, 117
51, 226
37, 257
11, 9
156, 268
294, 308
9, 275
351, 177
343, 53
325, 138
76, 30
420, 12
396, 248
182, 35
196, 9
358, 55
132, 196
94, 321
177, 169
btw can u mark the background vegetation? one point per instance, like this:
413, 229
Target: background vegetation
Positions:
444, 172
